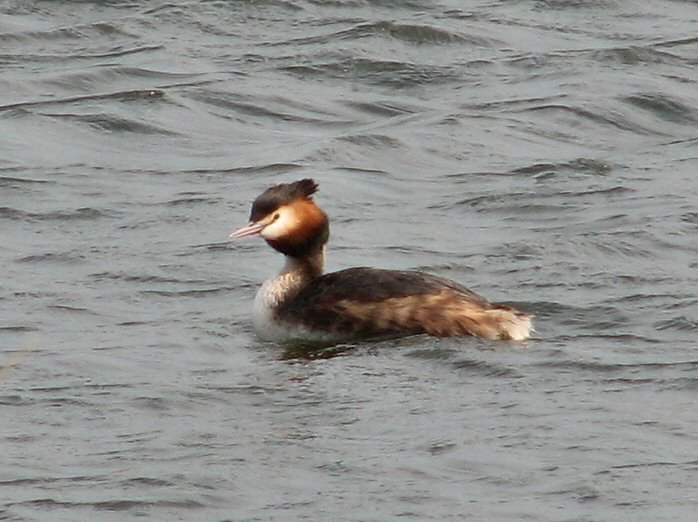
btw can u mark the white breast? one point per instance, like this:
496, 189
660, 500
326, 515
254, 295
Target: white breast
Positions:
270, 328
266, 326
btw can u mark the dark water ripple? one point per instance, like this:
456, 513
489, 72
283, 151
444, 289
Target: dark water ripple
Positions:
543, 153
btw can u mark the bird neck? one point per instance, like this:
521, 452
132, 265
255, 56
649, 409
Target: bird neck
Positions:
305, 268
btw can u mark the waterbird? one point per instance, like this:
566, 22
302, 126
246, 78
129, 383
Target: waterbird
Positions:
303, 303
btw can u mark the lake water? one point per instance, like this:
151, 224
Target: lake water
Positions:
543, 153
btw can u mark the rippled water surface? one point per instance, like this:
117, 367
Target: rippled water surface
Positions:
543, 153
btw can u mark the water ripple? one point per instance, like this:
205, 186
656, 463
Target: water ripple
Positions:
665, 108
543, 153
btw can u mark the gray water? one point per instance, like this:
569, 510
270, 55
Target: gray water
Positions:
542, 153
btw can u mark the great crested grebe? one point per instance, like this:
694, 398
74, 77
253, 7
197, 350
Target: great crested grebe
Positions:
304, 304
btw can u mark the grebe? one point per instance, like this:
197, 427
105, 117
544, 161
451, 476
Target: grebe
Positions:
302, 304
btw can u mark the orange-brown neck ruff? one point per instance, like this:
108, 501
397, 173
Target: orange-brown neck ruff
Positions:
309, 232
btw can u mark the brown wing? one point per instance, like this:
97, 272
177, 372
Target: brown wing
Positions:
371, 302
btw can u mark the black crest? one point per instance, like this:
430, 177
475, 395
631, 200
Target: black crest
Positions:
280, 195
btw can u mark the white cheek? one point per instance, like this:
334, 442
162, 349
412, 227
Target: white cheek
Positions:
281, 226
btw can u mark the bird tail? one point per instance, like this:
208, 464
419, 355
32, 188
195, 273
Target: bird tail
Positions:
498, 322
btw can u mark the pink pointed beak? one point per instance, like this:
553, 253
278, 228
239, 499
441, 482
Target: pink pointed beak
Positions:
251, 229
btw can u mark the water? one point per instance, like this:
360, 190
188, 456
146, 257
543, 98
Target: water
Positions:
542, 153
